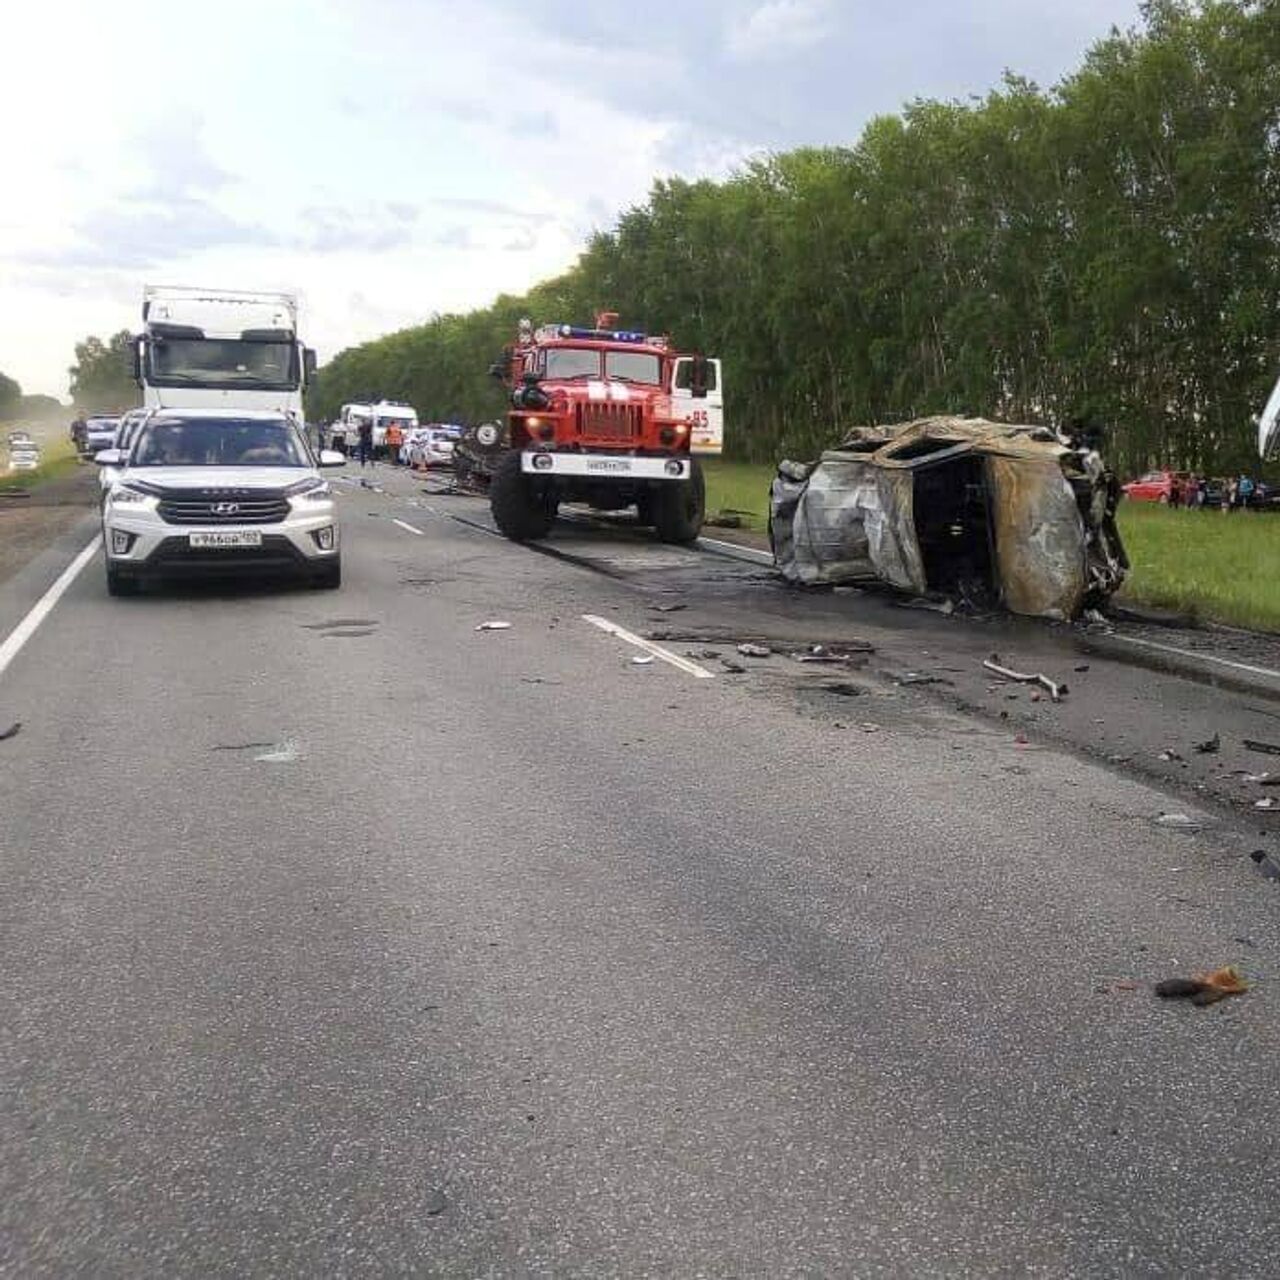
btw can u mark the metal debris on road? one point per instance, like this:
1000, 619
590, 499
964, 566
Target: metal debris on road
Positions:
1269, 803
11, 731
285, 753
668, 608
1055, 690
642, 660
1180, 822
1211, 747
1265, 748
494, 626
1170, 757
917, 677
734, 668
755, 650
1266, 864
1204, 988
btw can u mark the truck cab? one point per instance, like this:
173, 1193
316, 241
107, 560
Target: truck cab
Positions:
220, 349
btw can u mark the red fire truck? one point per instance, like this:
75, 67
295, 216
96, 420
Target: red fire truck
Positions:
607, 417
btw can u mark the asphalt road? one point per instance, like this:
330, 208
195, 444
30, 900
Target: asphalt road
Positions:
339, 937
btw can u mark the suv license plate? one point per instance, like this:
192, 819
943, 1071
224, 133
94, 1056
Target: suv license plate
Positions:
240, 538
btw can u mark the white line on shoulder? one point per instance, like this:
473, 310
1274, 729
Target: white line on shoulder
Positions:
689, 667
44, 606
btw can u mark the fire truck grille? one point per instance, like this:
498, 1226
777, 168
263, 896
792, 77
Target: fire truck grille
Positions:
609, 421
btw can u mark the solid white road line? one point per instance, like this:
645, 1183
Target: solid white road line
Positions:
44, 606
408, 527
736, 551
629, 637
1199, 657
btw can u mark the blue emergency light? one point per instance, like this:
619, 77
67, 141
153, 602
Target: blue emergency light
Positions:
602, 335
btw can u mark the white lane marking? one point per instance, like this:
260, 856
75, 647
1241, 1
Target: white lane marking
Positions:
629, 637
44, 606
408, 527
1199, 657
737, 551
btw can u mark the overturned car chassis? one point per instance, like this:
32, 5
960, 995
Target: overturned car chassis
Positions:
982, 512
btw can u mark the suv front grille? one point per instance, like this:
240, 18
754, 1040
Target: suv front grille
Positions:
240, 506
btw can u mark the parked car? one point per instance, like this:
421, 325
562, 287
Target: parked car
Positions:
1159, 486
126, 433
19, 436
100, 433
432, 447
24, 455
208, 492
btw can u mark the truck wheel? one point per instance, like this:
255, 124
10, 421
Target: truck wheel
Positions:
678, 507
522, 508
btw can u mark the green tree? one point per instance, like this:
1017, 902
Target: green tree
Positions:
10, 397
102, 376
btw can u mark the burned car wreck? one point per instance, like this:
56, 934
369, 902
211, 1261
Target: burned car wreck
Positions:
981, 512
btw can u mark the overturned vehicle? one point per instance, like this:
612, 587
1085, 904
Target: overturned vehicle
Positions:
981, 512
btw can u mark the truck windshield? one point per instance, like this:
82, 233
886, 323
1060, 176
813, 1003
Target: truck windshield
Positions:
572, 362
219, 442
632, 366
222, 362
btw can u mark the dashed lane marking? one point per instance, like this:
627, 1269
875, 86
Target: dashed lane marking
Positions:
408, 527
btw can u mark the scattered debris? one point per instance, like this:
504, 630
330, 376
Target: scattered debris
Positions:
668, 608
1055, 690
1021, 740
436, 1203
285, 753
1204, 988
734, 668
1082, 668
869, 726
494, 626
241, 746
1119, 985
725, 519
11, 731
755, 650
1096, 618
339, 622
347, 635
919, 677
1264, 748
1211, 747
843, 690
1180, 822
1269, 803
944, 607
1266, 864
538, 680
642, 660
1170, 757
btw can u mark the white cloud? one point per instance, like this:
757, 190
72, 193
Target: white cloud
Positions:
780, 27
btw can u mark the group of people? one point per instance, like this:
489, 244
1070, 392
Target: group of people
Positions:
333, 435
1235, 493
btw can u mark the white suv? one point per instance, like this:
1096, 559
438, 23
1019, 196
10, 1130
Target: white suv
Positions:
223, 492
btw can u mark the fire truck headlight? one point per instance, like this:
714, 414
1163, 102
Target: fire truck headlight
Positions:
675, 467
533, 423
542, 462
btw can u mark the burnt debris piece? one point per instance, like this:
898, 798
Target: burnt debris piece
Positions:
981, 512
1204, 988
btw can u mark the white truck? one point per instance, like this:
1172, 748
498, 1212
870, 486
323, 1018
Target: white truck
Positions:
383, 414
221, 349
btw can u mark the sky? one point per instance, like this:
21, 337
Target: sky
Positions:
391, 159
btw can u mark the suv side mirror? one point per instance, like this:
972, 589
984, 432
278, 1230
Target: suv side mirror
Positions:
109, 457
309, 362
135, 360
332, 458
698, 378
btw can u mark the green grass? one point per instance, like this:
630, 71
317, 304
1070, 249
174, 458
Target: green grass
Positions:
1223, 568
1215, 567
742, 487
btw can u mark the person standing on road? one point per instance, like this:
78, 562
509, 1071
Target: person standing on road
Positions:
366, 441
395, 438
78, 432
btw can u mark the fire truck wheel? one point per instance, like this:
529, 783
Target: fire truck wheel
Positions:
522, 508
678, 508
644, 507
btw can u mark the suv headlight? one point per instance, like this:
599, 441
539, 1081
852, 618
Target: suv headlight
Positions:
313, 489
125, 495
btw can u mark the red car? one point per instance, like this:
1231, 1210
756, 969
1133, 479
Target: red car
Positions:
1159, 486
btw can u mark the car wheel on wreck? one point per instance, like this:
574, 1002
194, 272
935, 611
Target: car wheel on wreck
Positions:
523, 508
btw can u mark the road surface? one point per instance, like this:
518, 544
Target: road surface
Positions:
341, 937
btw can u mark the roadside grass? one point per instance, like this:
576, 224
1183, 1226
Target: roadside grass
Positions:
59, 459
1214, 567
742, 487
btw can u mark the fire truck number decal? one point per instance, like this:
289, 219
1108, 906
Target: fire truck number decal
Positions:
698, 418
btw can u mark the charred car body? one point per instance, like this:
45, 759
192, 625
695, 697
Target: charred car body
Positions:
603, 416
984, 512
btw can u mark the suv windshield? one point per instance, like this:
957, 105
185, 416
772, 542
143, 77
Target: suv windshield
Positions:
572, 362
220, 442
217, 362
632, 366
